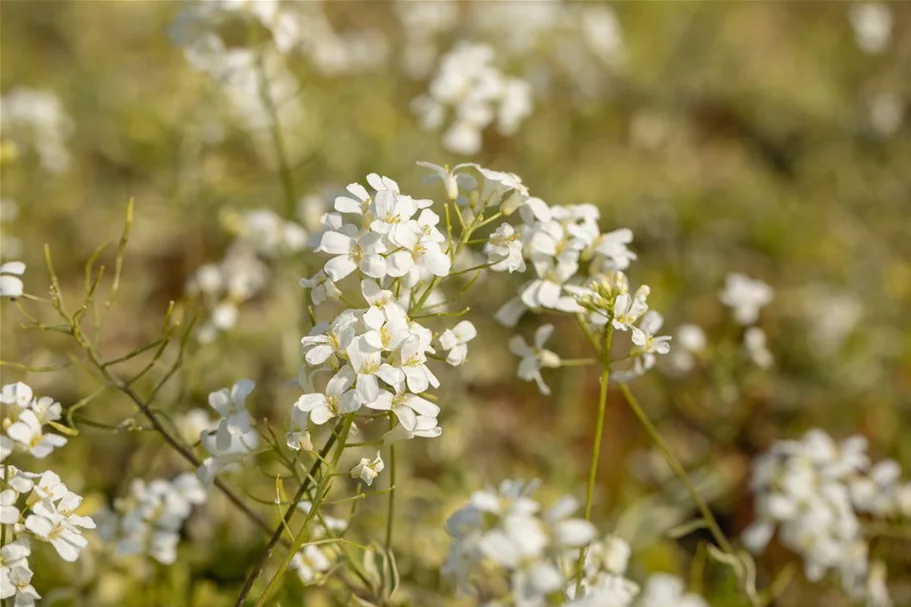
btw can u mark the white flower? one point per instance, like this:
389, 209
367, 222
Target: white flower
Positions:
665, 590
299, 441
12, 555
408, 408
418, 254
58, 525
393, 214
811, 490
363, 253
426, 225
383, 305
232, 406
547, 290
690, 341
10, 283
754, 342
452, 179
18, 394
628, 308
309, 563
326, 342
646, 342
413, 365
504, 250
568, 532
367, 364
9, 513
17, 581
27, 432
368, 469
613, 246
337, 400
746, 296
534, 358
321, 288
872, 23
455, 341
149, 519
358, 203
616, 554
425, 427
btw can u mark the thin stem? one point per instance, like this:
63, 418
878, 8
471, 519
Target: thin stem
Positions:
596, 449
679, 471
319, 494
390, 514
577, 362
289, 513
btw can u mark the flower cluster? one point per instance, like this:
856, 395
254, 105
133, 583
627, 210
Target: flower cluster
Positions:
242, 274
603, 575
149, 519
505, 545
815, 492
376, 356
38, 119
578, 270
234, 437
746, 296
34, 506
23, 422
469, 84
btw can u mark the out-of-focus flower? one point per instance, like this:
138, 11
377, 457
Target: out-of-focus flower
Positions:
745, 296
10, 283
535, 357
872, 23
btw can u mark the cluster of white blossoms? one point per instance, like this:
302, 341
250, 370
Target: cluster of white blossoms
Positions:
223, 286
746, 296
149, 520
603, 575
505, 546
233, 437
260, 236
469, 86
818, 493
38, 120
508, 550
24, 420
577, 270
34, 506
377, 356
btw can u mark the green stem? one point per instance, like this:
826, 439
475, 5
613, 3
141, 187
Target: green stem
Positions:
277, 534
577, 362
319, 494
390, 515
596, 448
679, 471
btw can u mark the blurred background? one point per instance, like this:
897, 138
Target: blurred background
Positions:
769, 139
